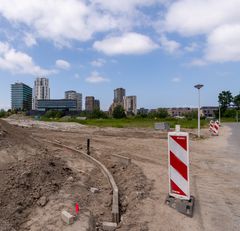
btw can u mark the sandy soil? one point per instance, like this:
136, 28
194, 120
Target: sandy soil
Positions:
214, 179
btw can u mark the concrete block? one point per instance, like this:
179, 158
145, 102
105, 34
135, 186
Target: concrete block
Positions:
85, 222
67, 217
161, 126
183, 206
121, 159
109, 226
94, 190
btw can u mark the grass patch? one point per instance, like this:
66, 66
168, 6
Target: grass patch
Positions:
133, 122
229, 120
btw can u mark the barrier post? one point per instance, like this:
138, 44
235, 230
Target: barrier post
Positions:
178, 168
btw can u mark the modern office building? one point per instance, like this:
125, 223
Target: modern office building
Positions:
130, 104
21, 96
76, 96
57, 104
89, 103
119, 93
41, 91
97, 104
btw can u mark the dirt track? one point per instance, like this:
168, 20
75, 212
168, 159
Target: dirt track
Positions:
144, 186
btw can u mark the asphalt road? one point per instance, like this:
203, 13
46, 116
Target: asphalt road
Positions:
234, 139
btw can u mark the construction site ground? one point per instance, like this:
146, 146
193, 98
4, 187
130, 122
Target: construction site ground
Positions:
38, 180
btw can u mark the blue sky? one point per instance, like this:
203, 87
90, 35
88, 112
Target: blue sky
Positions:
155, 49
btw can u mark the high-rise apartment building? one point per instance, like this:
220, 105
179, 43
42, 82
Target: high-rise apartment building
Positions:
41, 90
97, 104
21, 96
130, 104
76, 96
119, 93
89, 103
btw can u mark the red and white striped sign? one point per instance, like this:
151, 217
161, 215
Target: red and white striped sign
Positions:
178, 164
214, 127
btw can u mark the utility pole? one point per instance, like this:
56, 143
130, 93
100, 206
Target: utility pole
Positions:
198, 86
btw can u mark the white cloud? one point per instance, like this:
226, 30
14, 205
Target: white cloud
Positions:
191, 47
98, 62
125, 5
129, 43
62, 64
95, 77
194, 17
30, 40
217, 20
19, 62
170, 46
57, 20
198, 62
223, 44
176, 80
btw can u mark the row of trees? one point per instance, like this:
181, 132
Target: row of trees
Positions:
229, 104
227, 100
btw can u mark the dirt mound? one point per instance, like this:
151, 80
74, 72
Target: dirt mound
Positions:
29, 174
14, 136
27, 183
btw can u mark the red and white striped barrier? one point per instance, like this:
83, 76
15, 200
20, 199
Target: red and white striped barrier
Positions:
178, 165
214, 127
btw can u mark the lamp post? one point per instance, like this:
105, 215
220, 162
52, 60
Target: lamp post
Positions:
198, 86
219, 114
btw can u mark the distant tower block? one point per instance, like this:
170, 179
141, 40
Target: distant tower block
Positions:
41, 91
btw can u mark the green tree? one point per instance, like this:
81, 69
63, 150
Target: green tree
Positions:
98, 114
191, 115
162, 113
225, 98
152, 114
118, 112
54, 114
230, 113
236, 101
2, 113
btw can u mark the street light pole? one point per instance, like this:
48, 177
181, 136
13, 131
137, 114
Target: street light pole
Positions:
198, 86
219, 114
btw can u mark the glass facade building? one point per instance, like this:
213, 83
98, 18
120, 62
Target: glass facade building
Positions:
21, 96
57, 104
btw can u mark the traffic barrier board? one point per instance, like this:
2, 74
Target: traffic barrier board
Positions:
214, 127
178, 165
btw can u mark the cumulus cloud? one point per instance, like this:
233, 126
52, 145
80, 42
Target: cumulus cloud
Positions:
217, 20
194, 17
98, 62
170, 46
125, 5
95, 77
29, 40
57, 20
128, 43
223, 44
198, 62
62, 64
18, 62
191, 47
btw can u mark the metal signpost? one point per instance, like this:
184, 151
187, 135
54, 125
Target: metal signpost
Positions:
178, 164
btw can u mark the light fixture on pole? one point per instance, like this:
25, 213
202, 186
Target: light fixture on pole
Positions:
198, 86
219, 113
